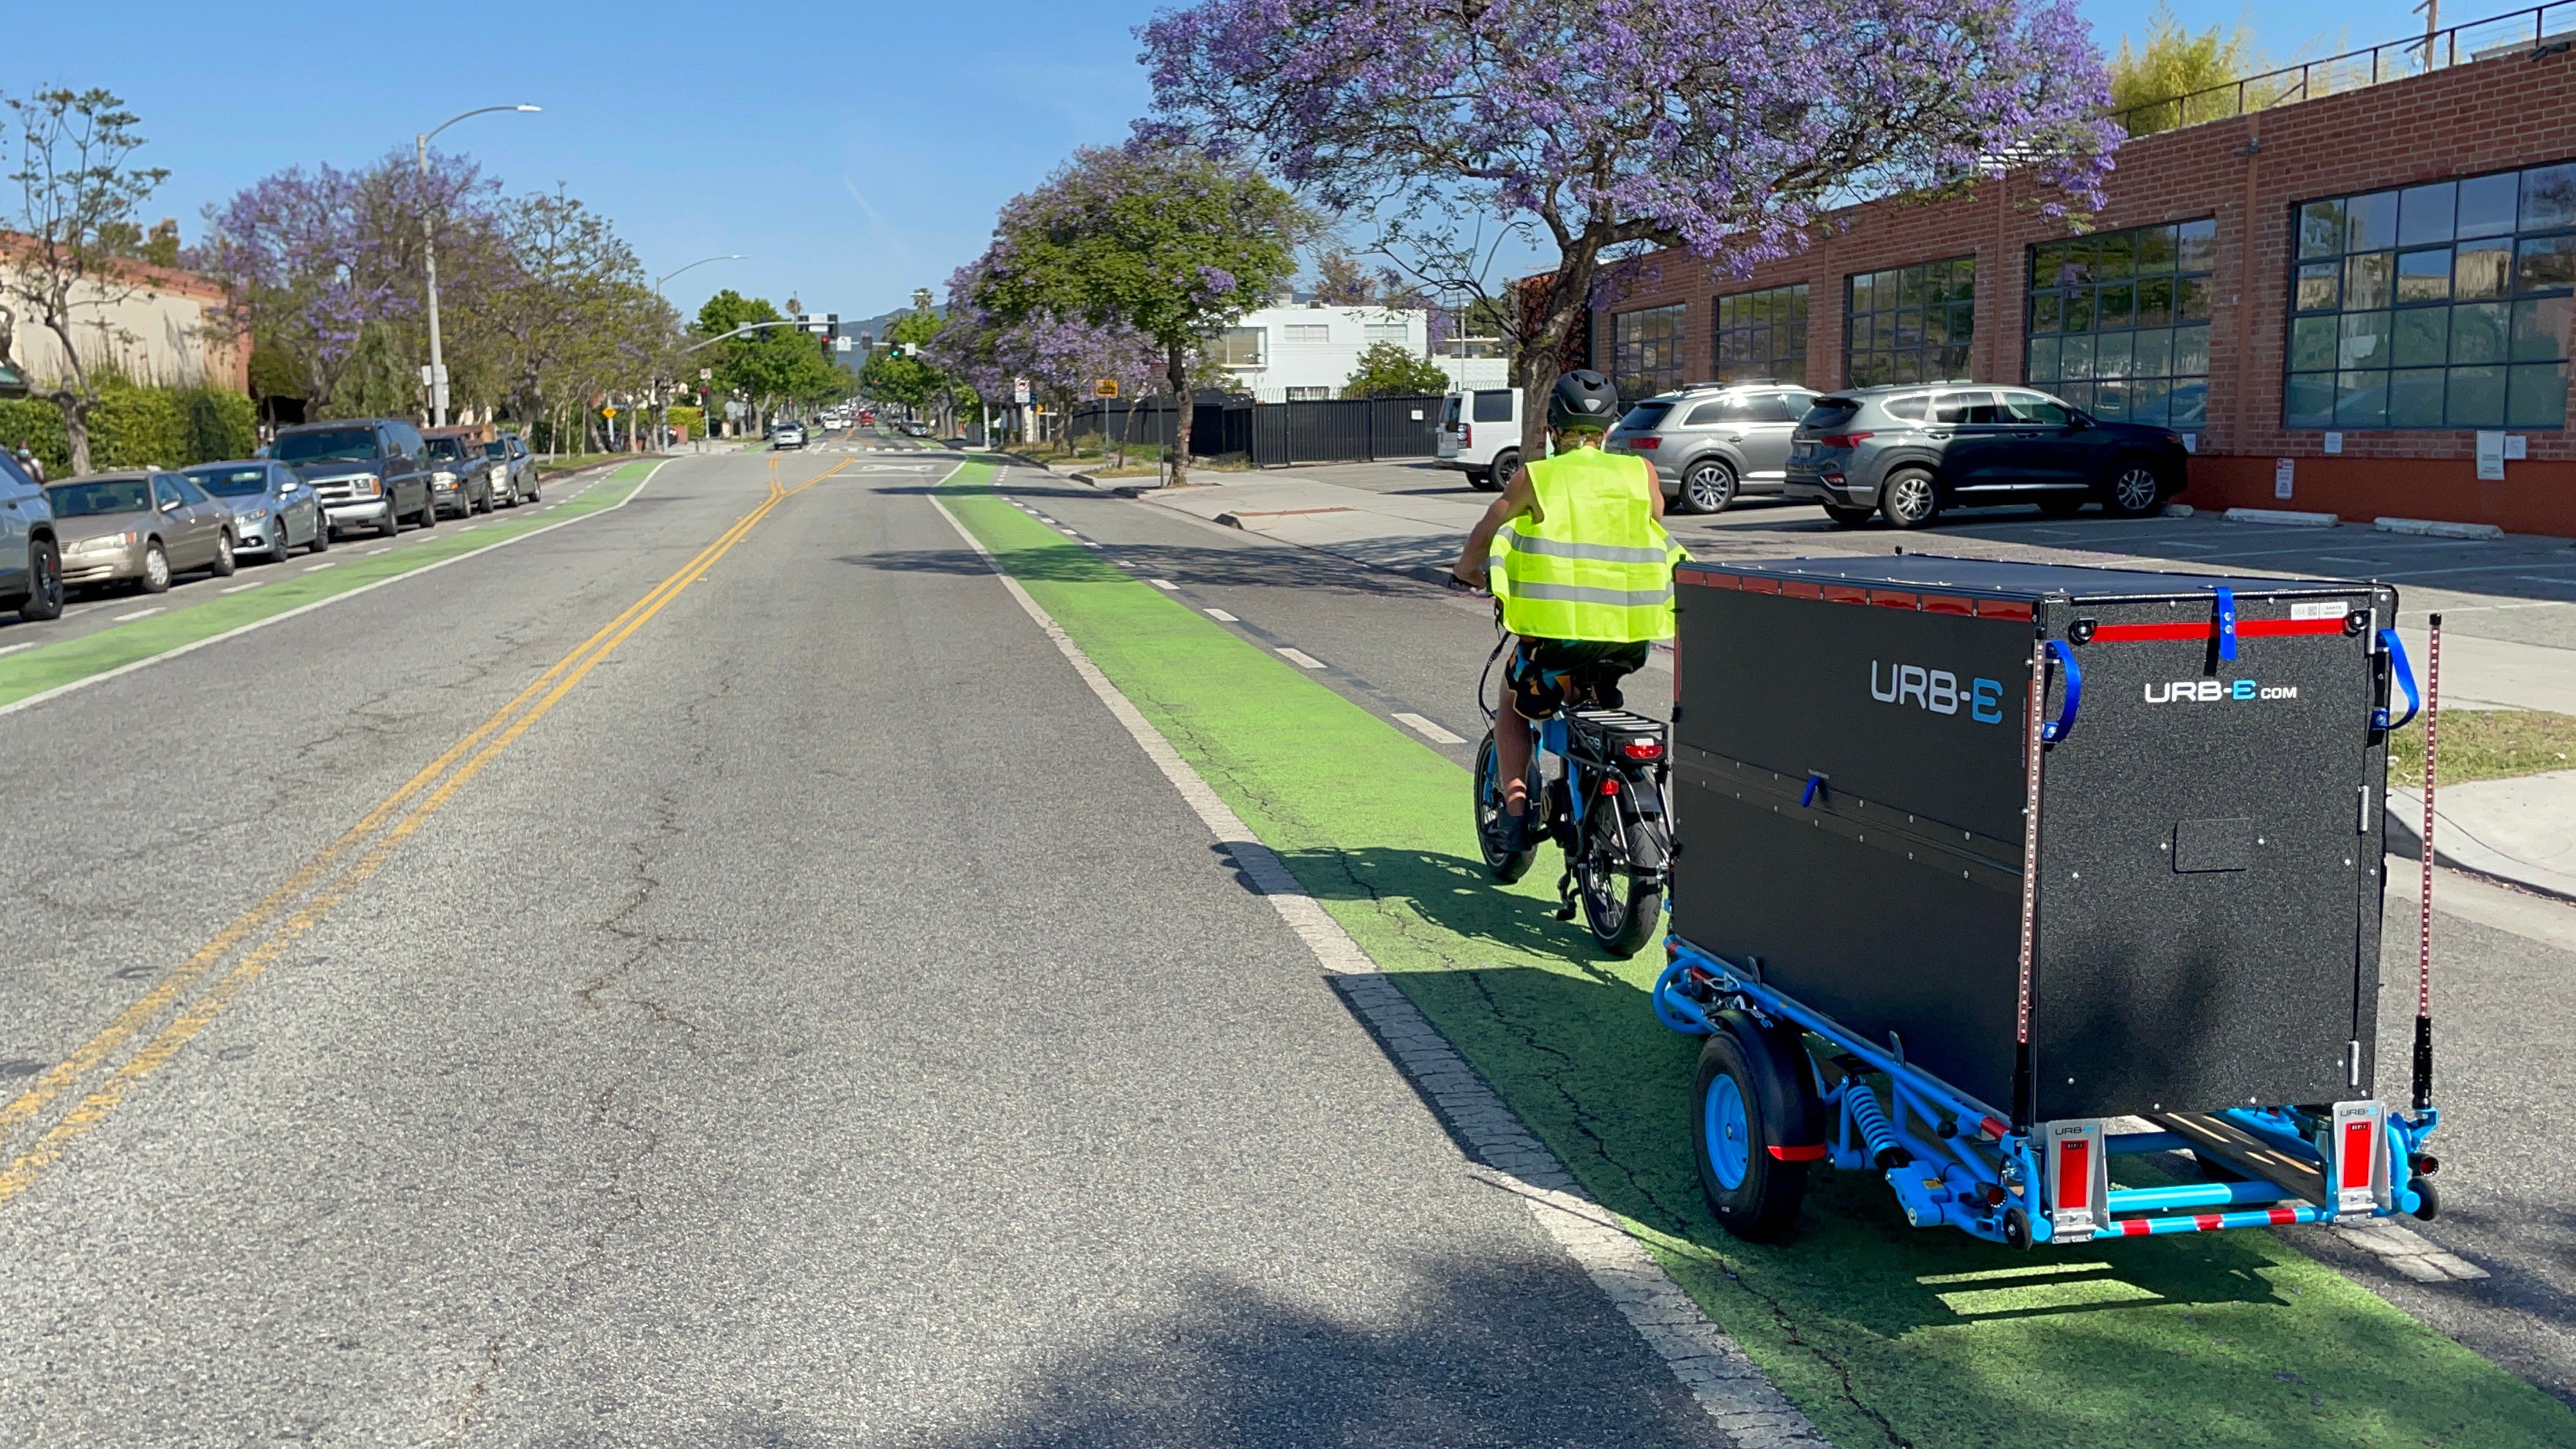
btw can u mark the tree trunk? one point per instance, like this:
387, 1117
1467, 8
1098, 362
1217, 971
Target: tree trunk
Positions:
1568, 306
75, 413
1176, 368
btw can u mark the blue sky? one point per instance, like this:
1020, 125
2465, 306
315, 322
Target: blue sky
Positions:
853, 151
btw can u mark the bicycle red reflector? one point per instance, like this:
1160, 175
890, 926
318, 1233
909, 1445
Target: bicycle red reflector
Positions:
1643, 749
2074, 1175
2357, 1156
1610, 786
1811, 1152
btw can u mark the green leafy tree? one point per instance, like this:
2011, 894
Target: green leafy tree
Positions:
1162, 239
2154, 85
1391, 369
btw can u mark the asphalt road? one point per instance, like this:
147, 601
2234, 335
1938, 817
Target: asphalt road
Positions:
803, 1018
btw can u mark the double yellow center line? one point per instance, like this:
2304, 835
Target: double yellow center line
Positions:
309, 893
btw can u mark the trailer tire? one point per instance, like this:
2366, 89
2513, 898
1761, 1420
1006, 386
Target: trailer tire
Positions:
1752, 1095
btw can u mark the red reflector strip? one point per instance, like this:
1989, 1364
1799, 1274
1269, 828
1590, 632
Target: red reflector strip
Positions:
2245, 629
1799, 589
2002, 609
2074, 1175
1892, 599
1845, 594
2283, 1217
1993, 1128
2134, 1228
2206, 1222
2355, 1168
1610, 786
1753, 585
1811, 1152
1947, 604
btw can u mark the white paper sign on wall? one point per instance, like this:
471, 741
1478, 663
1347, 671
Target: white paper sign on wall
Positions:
2490, 456
2283, 470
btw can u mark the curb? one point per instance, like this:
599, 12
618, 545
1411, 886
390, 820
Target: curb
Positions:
2282, 517
2406, 843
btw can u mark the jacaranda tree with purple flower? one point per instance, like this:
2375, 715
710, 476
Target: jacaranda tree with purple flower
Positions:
1607, 127
1062, 357
1159, 239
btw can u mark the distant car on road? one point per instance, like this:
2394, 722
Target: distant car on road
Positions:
787, 435
1907, 451
514, 471
31, 559
460, 476
915, 428
1713, 444
274, 512
366, 470
141, 527
1480, 435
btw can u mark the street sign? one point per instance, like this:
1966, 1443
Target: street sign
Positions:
1105, 387
706, 374
608, 411
1020, 391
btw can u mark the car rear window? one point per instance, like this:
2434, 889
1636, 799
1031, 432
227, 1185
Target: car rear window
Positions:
1645, 415
1830, 413
1494, 405
1449, 411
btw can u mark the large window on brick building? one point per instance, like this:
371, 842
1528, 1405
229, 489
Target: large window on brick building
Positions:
2439, 306
2119, 322
1763, 334
1646, 350
1909, 324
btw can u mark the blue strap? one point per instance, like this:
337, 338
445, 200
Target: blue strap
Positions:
1814, 783
2227, 624
2057, 729
2396, 648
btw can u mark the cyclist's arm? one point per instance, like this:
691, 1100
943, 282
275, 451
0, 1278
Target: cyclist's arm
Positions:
1518, 498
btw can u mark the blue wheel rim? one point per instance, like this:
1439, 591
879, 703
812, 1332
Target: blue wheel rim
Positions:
1730, 1136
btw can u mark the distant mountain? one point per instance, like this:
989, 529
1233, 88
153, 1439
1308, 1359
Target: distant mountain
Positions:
876, 326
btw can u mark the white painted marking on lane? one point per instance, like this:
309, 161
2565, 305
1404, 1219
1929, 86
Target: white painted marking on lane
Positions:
1429, 731
137, 614
1726, 1383
1301, 658
241, 588
317, 568
1067, 532
1222, 617
1166, 585
14, 648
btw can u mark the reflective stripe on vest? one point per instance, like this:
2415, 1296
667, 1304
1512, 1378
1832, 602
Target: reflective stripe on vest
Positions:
1595, 564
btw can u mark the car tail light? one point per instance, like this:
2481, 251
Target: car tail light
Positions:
1643, 749
1466, 435
1644, 443
1844, 440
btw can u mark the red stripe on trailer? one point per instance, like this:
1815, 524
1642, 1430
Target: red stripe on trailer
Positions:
1810, 1152
1845, 594
2206, 1222
1992, 1128
2358, 1159
1948, 604
2283, 1217
2134, 1228
1894, 599
1801, 589
2002, 609
2245, 629
2074, 1174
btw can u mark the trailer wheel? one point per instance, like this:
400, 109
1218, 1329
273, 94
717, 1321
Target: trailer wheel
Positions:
1751, 1096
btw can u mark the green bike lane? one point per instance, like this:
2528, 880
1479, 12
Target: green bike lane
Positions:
269, 592
1881, 1333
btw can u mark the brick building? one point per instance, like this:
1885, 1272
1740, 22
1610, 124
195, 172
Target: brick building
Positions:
2361, 284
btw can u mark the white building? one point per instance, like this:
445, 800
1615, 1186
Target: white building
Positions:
1296, 352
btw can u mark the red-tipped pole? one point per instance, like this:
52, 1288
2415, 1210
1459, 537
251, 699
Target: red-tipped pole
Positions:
2424, 910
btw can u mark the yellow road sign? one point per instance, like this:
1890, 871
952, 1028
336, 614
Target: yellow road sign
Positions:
1105, 387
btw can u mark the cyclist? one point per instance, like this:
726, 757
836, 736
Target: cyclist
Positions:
1576, 552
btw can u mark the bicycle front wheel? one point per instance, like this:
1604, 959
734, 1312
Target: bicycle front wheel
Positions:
1492, 825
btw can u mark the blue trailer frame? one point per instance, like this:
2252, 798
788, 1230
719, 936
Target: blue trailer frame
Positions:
1957, 1162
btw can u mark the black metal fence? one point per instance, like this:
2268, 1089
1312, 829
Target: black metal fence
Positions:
1273, 435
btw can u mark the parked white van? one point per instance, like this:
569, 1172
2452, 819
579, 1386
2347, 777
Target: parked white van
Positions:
1480, 435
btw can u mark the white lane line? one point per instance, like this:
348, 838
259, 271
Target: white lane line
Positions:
1166, 585
1301, 658
1222, 617
1067, 532
83, 609
14, 648
1726, 1383
1429, 731
240, 588
1124, 564
137, 614
317, 568
389, 548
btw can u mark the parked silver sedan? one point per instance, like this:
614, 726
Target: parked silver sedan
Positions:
142, 528
274, 511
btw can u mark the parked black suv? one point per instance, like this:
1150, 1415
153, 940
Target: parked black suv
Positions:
1908, 451
368, 471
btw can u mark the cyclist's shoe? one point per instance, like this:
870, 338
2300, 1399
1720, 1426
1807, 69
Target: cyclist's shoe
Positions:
1522, 831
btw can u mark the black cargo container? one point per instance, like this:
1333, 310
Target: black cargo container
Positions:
1849, 747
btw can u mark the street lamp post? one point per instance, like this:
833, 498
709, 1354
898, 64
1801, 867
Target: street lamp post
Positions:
429, 264
662, 420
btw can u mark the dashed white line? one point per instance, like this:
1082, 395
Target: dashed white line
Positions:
1166, 585
1301, 658
14, 648
317, 568
239, 588
1222, 617
137, 614
1124, 564
1428, 730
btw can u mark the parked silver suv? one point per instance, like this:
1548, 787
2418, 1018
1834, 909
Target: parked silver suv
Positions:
1907, 451
1714, 442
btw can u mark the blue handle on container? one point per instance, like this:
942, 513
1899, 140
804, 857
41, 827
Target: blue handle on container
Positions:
1814, 783
2396, 648
2227, 624
2057, 729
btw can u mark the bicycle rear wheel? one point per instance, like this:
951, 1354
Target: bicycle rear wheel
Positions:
1619, 879
1491, 822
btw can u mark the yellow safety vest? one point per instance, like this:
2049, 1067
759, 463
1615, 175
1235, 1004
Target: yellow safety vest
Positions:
1595, 564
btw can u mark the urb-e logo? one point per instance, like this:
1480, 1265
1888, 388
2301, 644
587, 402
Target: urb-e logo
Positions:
2212, 691
1937, 690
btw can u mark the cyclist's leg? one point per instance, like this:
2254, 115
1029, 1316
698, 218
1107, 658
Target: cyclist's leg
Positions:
1512, 744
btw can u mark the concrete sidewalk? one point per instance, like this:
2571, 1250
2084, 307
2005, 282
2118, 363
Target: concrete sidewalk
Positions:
2522, 830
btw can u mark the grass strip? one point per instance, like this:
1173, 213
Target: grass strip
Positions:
286, 586
2485, 744
1883, 1334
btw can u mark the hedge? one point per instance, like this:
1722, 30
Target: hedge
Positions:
134, 426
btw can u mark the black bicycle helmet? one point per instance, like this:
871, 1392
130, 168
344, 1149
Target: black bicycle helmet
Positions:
1583, 399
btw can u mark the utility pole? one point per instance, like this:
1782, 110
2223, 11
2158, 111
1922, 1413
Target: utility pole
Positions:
429, 262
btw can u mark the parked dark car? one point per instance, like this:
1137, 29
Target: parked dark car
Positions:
139, 527
460, 476
1714, 443
31, 560
514, 471
1908, 451
367, 471
274, 512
